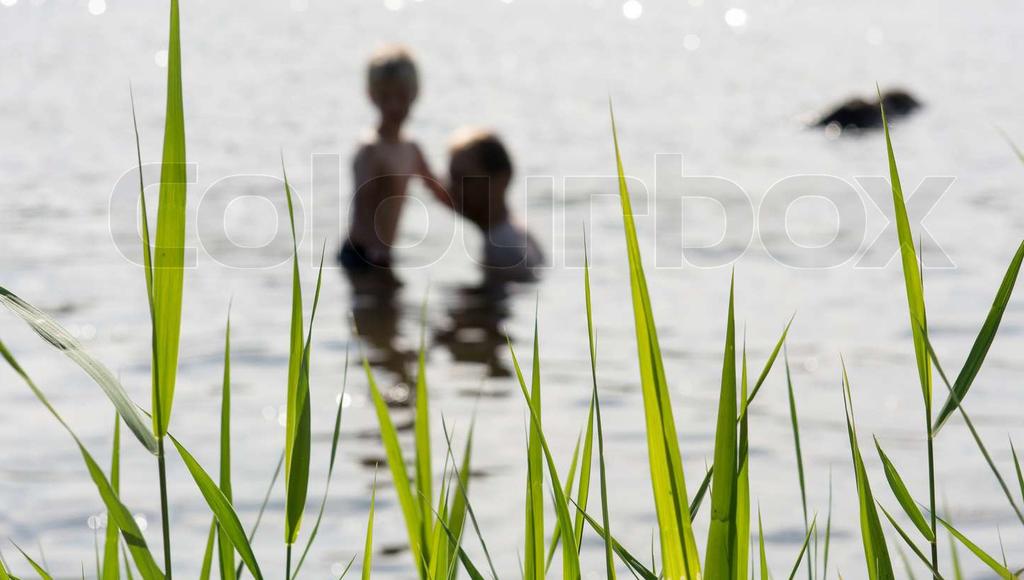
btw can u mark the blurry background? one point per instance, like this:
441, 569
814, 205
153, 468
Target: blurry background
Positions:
726, 85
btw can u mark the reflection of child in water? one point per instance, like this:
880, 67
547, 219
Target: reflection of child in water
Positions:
384, 163
480, 171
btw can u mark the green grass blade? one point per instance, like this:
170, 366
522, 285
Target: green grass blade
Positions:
35, 565
984, 340
534, 548
989, 561
169, 253
583, 489
226, 554
899, 489
368, 546
570, 556
910, 543
456, 520
111, 560
803, 550
741, 562
768, 364
1016, 466
396, 463
632, 562
65, 342
298, 428
954, 556
698, 498
828, 528
227, 520
596, 406
122, 516
876, 553
263, 508
974, 433
760, 542
421, 427
795, 424
678, 546
335, 435
570, 479
911, 273
462, 478
718, 562
211, 540
4, 573
454, 540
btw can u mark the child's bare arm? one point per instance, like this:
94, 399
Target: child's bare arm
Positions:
432, 183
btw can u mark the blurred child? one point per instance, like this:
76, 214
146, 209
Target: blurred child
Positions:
384, 164
480, 171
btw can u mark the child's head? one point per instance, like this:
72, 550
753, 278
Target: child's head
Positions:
480, 171
392, 82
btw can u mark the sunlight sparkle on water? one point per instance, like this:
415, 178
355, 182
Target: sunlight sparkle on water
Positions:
8, 2
97, 7
736, 17
691, 42
160, 58
394, 5
632, 9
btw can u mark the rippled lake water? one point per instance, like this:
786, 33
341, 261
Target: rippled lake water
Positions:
724, 85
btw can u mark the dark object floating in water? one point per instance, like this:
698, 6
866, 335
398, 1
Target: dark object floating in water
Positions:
859, 113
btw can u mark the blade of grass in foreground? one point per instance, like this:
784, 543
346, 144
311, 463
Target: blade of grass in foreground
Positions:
876, 554
718, 562
596, 405
741, 553
65, 342
910, 543
169, 253
226, 554
914, 284
632, 562
899, 489
795, 423
534, 509
463, 480
111, 561
765, 370
760, 542
330, 466
396, 463
263, 508
43, 574
228, 524
974, 433
368, 546
297, 415
982, 555
803, 549
678, 546
421, 427
570, 554
983, 342
122, 516
207, 566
